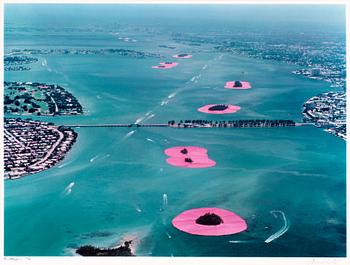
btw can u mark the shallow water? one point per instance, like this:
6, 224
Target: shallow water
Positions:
120, 175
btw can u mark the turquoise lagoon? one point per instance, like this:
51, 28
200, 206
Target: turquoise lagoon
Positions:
120, 174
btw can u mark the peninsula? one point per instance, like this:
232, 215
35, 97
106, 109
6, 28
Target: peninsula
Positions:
328, 111
39, 99
33, 146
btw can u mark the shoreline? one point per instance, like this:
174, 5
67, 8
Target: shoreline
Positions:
25, 139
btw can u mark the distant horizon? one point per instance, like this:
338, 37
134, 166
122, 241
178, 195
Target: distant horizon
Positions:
329, 15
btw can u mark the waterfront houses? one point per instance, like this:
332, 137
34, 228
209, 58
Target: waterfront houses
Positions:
17, 63
33, 146
327, 111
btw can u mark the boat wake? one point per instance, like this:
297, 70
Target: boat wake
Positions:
93, 159
165, 201
150, 140
169, 236
145, 117
139, 120
195, 78
65, 164
129, 134
172, 95
106, 156
284, 228
68, 189
164, 102
149, 117
242, 241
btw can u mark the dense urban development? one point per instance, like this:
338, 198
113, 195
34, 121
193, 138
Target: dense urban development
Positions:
323, 60
32, 146
328, 111
18, 63
322, 57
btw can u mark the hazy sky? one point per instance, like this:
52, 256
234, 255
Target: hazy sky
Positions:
94, 14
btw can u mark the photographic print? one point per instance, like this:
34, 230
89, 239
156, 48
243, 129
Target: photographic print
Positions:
174, 130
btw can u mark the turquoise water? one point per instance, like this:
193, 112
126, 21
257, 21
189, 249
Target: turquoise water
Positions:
120, 174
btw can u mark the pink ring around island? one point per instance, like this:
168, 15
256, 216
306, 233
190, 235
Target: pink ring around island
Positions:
165, 65
230, 109
201, 161
187, 56
232, 223
230, 85
191, 151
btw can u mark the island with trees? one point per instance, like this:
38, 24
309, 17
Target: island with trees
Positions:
30, 98
123, 250
18, 62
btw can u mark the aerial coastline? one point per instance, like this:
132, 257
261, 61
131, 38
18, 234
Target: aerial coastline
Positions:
153, 157
33, 146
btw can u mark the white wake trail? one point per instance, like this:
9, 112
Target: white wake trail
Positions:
129, 134
284, 228
241, 241
65, 164
149, 117
164, 102
68, 189
172, 95
93, 159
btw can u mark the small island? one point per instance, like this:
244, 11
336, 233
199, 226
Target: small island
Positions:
123, 250
218, 107
209, 219
86, 51
28, 98
33, 146
16, 63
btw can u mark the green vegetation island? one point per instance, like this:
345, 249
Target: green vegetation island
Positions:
28, 98
123, 250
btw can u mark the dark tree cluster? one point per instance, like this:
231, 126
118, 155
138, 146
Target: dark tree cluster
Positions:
89, 250
209, 219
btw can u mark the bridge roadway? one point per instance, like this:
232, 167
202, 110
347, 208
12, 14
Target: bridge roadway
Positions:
118, 125
133, 125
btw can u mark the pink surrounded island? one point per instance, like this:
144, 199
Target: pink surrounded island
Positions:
184, 151
191, 162
189, 157
165, 65
182, 56
209, 222
219, 109
237, 85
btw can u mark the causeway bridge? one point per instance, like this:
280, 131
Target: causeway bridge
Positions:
202, 124
118, 125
